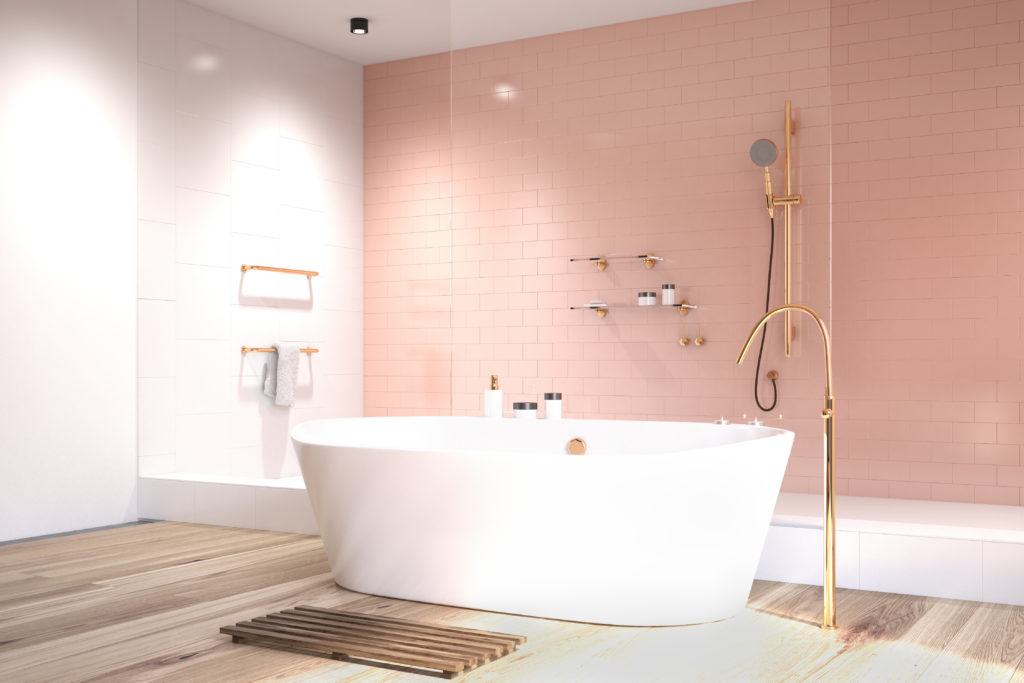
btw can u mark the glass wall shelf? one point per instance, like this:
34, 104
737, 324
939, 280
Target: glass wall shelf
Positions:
684, 307
601, 262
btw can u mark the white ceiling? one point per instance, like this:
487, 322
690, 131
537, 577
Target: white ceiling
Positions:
410, 28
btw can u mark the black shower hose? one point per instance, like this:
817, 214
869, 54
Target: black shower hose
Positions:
764, 331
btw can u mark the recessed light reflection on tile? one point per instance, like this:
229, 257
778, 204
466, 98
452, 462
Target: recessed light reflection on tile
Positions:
205, 62
505, 91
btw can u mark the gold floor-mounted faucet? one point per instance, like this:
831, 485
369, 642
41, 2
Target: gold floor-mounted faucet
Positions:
828, 412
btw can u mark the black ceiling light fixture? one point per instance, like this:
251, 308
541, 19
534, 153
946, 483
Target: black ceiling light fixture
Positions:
359, 25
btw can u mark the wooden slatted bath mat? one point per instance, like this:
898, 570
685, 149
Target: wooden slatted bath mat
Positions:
372, 638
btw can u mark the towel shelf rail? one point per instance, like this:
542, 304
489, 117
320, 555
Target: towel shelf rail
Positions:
270, 349
272, 269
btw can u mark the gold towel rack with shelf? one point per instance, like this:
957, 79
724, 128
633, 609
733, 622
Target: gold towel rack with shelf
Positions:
272, 269
270, 349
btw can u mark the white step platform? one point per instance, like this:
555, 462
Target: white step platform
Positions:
948, 550
247, 503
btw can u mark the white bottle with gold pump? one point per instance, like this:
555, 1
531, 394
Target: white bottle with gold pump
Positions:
493, 400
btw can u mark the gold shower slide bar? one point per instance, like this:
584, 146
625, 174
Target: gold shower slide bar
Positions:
788, 202
270, 349
307, 273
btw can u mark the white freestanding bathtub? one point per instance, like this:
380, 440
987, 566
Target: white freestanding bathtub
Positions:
659, 523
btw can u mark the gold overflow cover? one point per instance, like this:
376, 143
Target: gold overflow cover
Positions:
576, 447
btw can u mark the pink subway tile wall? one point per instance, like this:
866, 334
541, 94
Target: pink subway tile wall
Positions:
489, 168
928, 182
407, 241
485, 174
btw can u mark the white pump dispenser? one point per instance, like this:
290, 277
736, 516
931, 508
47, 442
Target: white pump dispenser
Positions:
493, 399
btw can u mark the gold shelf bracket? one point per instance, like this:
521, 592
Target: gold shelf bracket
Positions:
685, 307
600, 262
601, 311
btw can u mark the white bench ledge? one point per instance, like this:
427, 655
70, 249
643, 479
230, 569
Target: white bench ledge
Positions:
922, 518
283, 483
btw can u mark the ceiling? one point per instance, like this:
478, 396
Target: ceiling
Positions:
410, 28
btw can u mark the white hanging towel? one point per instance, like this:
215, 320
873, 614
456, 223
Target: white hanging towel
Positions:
281, 374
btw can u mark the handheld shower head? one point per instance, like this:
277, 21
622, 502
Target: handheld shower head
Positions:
764, 152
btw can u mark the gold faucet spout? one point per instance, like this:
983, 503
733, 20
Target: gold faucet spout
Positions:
821, 326
828, 620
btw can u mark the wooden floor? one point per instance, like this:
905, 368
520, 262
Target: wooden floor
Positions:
145, 603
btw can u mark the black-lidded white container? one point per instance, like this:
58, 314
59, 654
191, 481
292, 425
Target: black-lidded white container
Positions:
525, 410
646, 298
553, 406
668, 295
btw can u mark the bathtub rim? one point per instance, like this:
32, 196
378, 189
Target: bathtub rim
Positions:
768, 433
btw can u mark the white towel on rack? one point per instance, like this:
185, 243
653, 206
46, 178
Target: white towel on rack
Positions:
270, 376
281, 374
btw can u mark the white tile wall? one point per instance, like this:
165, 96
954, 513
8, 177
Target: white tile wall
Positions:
256, 199
303, 167
156, 251
203, 154
250, 152
156, 416
203, 302
344, 215
156, 105
255, 130
156, 338
156, 182
69, 168
203, 78
156, 35
203, 234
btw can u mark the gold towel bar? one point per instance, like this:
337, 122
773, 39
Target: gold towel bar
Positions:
307, 273
270, 349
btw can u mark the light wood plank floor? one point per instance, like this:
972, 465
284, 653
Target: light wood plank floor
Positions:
145, 603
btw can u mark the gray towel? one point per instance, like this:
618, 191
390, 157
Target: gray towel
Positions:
281, 373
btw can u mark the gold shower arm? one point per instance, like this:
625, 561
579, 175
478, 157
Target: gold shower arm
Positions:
821, 326
828, 618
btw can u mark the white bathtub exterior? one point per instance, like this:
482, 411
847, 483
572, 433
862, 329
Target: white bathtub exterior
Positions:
660, 523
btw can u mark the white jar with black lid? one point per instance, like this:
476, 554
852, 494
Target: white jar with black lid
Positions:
526, 410
668, 295
553, 406
646, 298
